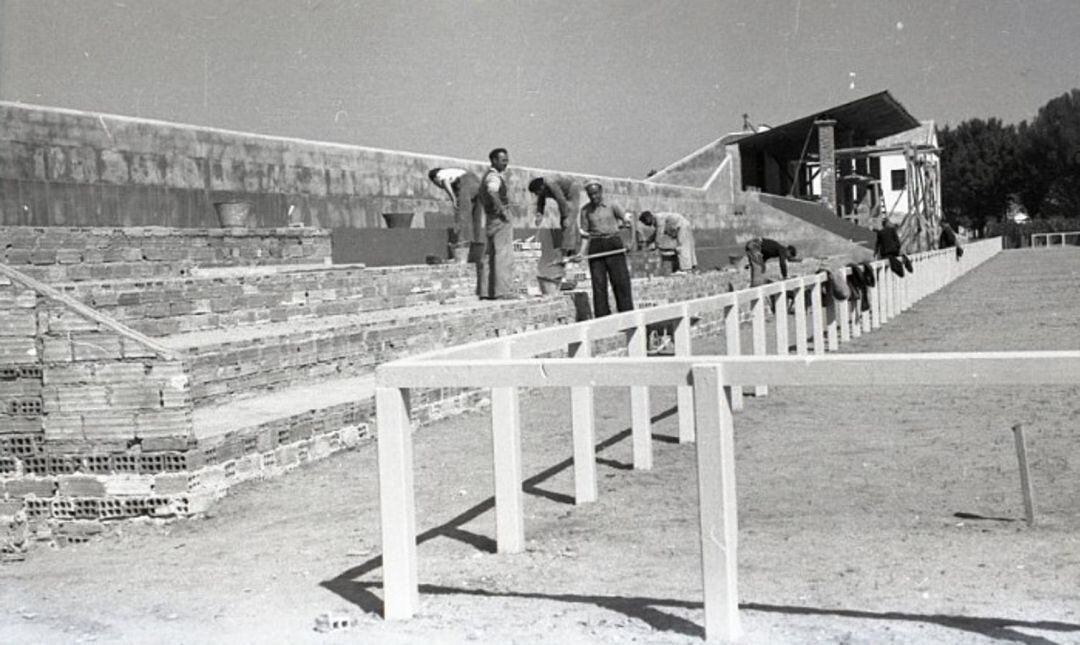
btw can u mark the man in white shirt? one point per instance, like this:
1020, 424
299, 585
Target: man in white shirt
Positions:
463, 188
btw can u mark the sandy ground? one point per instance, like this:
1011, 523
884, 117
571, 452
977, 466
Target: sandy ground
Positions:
865, 517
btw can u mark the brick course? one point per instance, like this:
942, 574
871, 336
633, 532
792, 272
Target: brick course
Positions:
62, 254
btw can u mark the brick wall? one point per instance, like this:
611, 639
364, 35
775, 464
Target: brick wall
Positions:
62, 254
74, 388
204, 302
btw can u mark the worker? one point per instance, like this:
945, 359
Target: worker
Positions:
672, 234
948, 239
601, 243
759, 251
888, 246
462, 187
497, 264
567, 195
564, 241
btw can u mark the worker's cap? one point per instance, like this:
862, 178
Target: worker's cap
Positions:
536, 185
593, 182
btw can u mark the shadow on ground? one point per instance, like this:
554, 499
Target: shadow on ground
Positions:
349, 587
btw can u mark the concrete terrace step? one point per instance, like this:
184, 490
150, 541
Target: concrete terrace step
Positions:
225, 298
230, 363
217, 420
216, 340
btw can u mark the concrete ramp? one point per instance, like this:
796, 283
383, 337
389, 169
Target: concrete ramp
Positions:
820, 216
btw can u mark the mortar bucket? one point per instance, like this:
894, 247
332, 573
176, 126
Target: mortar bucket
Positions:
549, 286
461, 253
398, 220
233, 214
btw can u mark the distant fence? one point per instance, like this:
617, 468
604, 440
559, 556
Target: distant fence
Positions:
1071, 238
709, 388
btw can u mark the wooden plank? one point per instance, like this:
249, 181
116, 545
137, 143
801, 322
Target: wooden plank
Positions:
506, 451
902, 285
685, 393
800, 320
885, 289
783, 337
844, 316
871, 370
876, 303
542, 341
1025, 474
640, 418
717, 510
90, 313
583, 417
1003, 368
397, 503
892, 291
506, 455
817, 318
711, 304
832, 325
733, 344
760, 348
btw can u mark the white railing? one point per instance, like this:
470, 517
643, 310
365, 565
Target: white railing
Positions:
1047, 239
709, 388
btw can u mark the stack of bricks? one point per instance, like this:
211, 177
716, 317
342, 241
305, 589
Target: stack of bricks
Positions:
65, 508
59, 254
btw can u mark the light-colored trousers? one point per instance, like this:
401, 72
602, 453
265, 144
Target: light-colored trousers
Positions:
497, 265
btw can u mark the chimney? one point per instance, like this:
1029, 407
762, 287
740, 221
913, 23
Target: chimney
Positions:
827, 159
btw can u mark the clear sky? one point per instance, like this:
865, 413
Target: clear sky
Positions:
611, 87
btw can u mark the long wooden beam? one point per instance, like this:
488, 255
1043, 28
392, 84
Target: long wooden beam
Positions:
957, 368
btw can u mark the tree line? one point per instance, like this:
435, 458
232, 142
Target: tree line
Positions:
991, 169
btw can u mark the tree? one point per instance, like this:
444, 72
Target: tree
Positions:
980, 169
1051, 148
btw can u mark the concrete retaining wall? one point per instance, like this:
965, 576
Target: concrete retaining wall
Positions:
68, 168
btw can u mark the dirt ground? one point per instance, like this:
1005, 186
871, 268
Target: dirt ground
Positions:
865, 517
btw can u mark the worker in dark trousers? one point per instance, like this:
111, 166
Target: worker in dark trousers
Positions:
948, 239
600, 223
762, 249
888, 246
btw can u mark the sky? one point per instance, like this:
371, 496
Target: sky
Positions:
607, 87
